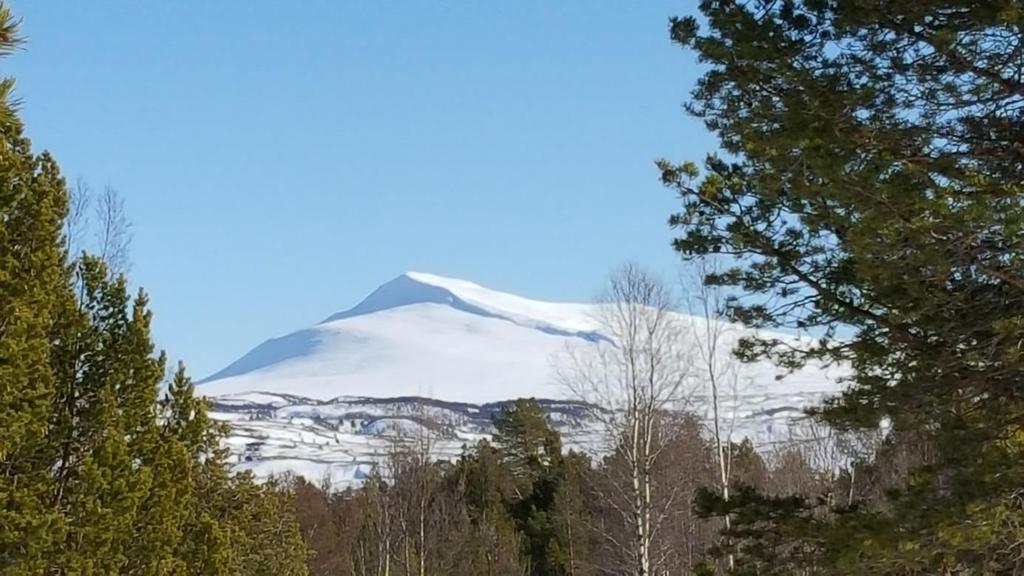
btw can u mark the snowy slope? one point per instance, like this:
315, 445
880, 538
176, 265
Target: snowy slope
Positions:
424, 351
343, 439
425, 335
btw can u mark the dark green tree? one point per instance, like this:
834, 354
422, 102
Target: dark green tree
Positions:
547, 503
871, 192
528, 443
570, 547
171, 518
485, 487
531, 451
768, 535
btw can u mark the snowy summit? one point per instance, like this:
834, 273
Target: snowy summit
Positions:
430, 336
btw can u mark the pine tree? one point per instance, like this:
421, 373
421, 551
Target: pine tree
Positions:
33, 204
493, 544
768, 535
187, 442
265, 534
873, 189
104, 429
96, 475
531, 450
527, 441
547, 503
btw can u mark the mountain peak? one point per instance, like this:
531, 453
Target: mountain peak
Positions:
424, 288
404, 289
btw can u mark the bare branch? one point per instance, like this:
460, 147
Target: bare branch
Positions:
77, 222
113, 231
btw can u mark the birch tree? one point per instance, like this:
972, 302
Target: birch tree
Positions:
712, 339
634, 386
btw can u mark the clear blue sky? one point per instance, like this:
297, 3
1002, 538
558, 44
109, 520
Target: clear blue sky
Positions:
279, 160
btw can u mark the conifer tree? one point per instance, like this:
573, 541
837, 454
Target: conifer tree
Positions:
570, 549
873, 190
265, 535
190, 469
531, 450
547, 501
105, 422
187, 446
96, 475
486, 486
33, 204
527, 442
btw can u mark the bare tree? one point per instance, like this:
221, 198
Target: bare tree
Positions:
113, 231
835, 455
415, 488
375, 542
77, 222
635, 385
712, 340
857, 447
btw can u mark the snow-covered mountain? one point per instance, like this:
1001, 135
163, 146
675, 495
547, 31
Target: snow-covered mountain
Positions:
328, 399
418, 335
425, 335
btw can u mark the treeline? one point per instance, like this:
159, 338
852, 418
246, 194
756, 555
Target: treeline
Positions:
103, 470
520, 504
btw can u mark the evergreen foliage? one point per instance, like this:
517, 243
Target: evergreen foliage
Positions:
873, 189
870, 191
546, 488
33, 203
98, 473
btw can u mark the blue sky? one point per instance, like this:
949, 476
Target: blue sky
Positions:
279, 160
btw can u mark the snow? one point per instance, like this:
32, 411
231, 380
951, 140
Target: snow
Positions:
400, 427
344, 439
425, 335
332, 400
